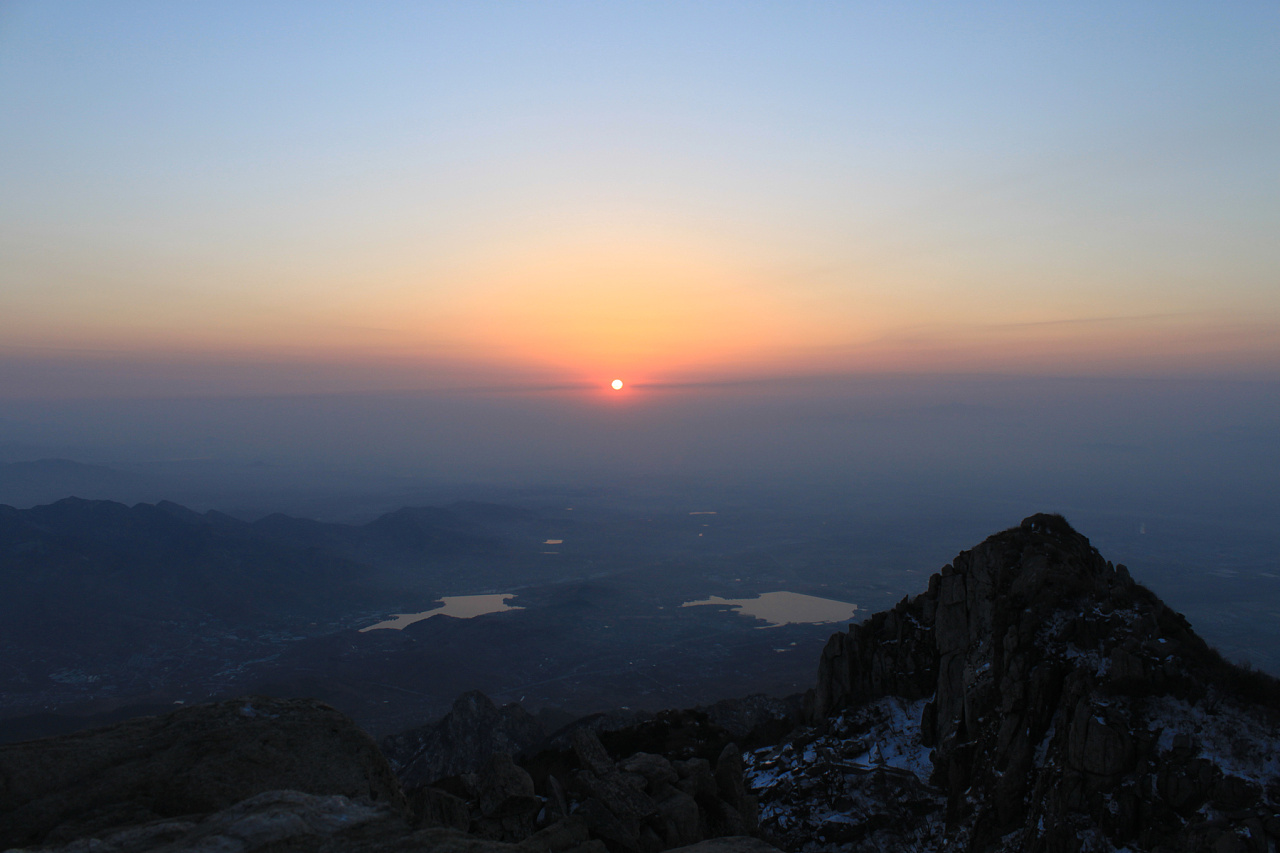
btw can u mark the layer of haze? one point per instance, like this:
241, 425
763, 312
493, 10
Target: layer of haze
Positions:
264, 199
1020, 256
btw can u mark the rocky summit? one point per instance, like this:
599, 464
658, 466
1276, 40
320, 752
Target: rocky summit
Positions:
1033, 698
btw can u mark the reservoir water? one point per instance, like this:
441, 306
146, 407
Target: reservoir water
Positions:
457, 606
783, 608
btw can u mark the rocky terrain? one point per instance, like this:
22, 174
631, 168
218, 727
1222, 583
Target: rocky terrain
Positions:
1033, 698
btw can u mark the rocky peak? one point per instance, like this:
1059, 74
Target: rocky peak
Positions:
1052, 691
474, 729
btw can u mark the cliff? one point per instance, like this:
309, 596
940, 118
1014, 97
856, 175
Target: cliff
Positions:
1033, 698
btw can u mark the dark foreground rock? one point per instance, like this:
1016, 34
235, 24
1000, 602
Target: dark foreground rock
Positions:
259, 774
591, 797
293, 822
193, 761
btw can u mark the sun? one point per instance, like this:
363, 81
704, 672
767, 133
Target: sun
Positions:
617, 384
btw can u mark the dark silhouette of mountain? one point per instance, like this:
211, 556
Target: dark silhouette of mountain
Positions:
79, 563
1033, 698
107, 605
101, 561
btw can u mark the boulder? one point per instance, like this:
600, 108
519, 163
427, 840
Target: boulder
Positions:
197, 760
655, 769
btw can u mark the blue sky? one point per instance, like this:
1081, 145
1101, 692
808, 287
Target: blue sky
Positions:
663, 190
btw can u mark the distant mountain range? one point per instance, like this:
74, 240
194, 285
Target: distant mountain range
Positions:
76, 560
104, 599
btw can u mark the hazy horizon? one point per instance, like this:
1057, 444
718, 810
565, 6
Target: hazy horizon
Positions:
911, 270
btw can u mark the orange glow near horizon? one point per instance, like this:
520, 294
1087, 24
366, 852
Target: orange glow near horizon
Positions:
638, 308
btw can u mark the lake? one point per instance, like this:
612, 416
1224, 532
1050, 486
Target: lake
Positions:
784, 608
457, 606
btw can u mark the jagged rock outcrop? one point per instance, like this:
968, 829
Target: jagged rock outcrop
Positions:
1063, 706
293, 822
462, 741
586, 798
274, 775
196, 760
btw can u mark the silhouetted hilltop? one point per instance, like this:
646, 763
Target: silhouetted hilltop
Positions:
77, 564
81, 562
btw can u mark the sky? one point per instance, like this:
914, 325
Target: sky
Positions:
281, 198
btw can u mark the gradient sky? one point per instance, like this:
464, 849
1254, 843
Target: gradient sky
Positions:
249, 197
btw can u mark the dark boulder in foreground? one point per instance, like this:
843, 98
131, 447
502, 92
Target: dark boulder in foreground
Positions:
196, 760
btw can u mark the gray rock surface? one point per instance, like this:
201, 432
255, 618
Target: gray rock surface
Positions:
462, 741
196, 760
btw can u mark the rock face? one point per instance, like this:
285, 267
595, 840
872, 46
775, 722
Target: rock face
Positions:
275, 775
463, 740
1065, 707
193, 761
585, 797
